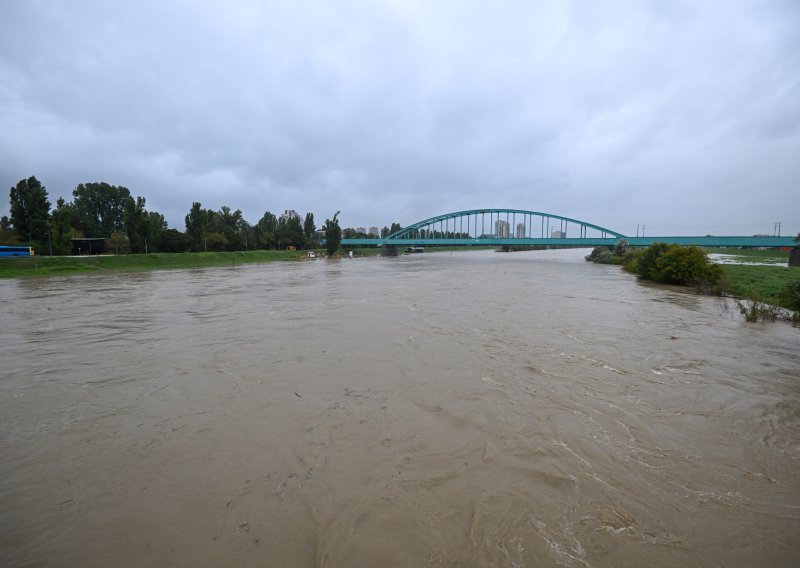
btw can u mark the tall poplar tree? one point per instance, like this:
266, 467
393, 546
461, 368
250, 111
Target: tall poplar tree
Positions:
333, 234
30, 211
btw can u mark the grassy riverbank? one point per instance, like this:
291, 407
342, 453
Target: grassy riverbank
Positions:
763, 283
63, 265
757, 275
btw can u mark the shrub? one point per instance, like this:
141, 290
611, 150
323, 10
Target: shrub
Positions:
757, 309
675, 264
621, 253
604, 257
596, 251
791, 294
686, 265
622, 248
646, 263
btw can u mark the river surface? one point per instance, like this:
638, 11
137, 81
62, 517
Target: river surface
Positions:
467, 409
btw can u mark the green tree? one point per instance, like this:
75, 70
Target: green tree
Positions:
172, 240
686, 265
5, 223
646, 263
395, 228
290, 233
266, 231
675, 264
215, 241
156, 225
30, 211
61, 227
333, 234
196, 226
309, 228
100, 208
136, 224
247, 235
119, 243
229, 223
7, 237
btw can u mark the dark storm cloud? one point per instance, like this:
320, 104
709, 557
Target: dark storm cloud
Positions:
676, 115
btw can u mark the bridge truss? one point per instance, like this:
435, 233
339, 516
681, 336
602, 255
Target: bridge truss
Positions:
486, 224
522, 227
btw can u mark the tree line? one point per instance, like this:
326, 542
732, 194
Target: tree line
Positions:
100, 210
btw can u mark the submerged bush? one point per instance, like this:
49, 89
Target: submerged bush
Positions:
604, 257
621, 253
676, 264
757, 309
791, 295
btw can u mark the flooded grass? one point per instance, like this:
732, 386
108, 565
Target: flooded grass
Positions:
747, 256
756, 282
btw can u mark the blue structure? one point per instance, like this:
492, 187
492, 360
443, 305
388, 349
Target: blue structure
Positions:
497, 227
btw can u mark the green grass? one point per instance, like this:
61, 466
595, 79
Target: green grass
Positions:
60, 265
764, 283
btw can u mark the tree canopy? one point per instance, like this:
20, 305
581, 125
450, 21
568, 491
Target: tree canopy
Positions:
333, 234
100, 208
30, 211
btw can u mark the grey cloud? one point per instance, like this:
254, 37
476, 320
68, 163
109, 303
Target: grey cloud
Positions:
671, 114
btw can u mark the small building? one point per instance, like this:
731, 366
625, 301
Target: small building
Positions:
88, 246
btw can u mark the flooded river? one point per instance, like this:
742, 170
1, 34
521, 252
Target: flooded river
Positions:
467, 409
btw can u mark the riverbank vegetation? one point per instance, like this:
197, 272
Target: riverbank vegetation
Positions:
49, 266
761, 292
22, 267
99, 210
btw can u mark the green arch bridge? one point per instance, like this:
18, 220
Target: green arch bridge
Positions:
496, 227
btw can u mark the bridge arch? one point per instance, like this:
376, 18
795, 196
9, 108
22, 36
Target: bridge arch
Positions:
518, 223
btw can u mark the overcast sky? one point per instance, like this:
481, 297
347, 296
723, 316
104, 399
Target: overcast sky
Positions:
683, 116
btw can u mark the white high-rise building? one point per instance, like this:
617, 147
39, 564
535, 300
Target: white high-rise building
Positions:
502, 229
520, 230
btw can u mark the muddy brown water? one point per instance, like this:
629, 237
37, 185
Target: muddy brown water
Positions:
468, 409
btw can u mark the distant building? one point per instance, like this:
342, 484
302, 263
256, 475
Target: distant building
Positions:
289, 214
375, 231
502, 229
361, 230
520, 230
558, 235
